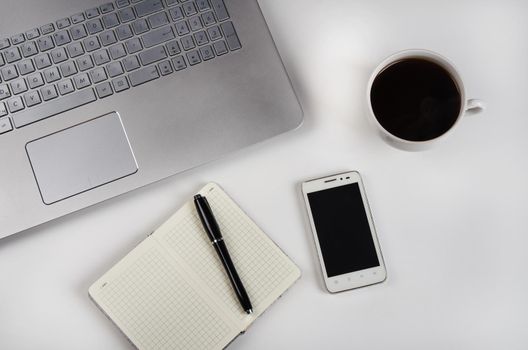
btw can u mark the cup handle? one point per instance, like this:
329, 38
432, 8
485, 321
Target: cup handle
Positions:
474, 106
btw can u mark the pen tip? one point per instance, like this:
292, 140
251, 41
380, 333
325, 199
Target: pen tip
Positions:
250, 311
198, 196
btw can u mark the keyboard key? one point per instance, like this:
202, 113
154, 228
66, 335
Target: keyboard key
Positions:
120, 84
214, 33
208, 18
117, 51
77, 18
15, 104
207, 52
78, 32
182, 28
108, 38
52, 74
171, 2
49, 92
45, 43
220, 9
195, 23
85, 63
18, 86
202, 5
173, 48
26, 67
92, 13
158, 36
98, 75
91, 44
18, 39
193, 57
176, 13
127, 15
35, 80
68, 69
133, 45
62, 37
157, 20
101, 57
201, 38
3, 112
42, 61
130, 63
94, 26
114, 69
220, 48
29, 49
122, 3
32, 34
32, 98
47, 29
5, 123
81, 81
143, 76
187, 42
4, 92
50, 109
66, 87
4, 43
165, 68
104, 89
9, 73
124, 32
140, 26
148, 7
108, 7
189, 9
12, 55
231, 36
152, 55
59, 55
75, 49
110, 20
63, 23
2, 62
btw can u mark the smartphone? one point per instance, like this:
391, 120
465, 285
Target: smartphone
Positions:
344, 233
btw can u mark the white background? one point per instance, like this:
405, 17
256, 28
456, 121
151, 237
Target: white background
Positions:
452, 221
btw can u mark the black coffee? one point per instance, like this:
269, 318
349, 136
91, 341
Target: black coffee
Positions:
415, 99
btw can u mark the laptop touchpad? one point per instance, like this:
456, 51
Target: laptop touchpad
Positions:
81, 158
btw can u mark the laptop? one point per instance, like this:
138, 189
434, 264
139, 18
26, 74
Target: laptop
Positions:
100, 98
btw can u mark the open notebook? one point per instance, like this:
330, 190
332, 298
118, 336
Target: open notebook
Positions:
172, 292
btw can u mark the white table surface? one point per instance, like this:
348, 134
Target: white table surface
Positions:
452, 221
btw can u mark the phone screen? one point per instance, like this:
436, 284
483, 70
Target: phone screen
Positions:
343, 230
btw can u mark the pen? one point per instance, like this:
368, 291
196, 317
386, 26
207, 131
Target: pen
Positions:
213, 231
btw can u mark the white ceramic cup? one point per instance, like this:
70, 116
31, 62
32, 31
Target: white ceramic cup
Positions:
468, 107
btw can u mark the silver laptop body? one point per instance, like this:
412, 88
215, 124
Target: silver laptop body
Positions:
171, 84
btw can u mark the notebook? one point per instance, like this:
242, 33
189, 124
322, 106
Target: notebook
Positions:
172, 292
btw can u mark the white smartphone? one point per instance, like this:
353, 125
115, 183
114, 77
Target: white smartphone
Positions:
344, 233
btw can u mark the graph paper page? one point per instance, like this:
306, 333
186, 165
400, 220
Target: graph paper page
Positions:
156, 305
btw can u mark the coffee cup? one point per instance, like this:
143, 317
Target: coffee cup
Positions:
416, 98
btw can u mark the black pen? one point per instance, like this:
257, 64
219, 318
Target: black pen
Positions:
213, 231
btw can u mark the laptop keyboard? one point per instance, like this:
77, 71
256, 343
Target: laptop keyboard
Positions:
104, 51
